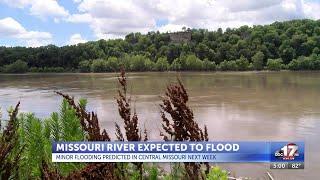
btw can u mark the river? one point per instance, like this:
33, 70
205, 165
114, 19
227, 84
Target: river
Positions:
234, 106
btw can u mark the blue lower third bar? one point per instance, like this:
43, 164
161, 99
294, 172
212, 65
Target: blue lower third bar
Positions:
178, 152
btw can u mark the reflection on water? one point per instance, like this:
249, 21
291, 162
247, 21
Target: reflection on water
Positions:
235, 106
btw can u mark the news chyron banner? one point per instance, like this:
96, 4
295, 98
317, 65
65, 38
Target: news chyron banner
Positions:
281, 155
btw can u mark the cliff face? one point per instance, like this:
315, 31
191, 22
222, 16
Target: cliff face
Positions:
180, 37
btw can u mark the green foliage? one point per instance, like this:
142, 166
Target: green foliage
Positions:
257, 60
141, 63
47, 70
162, 64
177, 172
153, 173
99, 65
228, 66
16, 67
208, 65
217, 174
37, 147
36, 136
274, 64
84, 66
193, 63
176, 65
112, 64
243, 64
305, 63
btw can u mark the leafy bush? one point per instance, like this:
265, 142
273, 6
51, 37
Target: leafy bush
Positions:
274, 64
242, 64
16, 67
193, 63
162, 64
37, 134
124, 61
137, 63
305, 63
84, 66
208, 65
257, 61
176, 65
216, 173
99, 65
112, 64
149, 65
53, 69
228, 66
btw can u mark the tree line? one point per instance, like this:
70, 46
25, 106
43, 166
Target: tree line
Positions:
292, 45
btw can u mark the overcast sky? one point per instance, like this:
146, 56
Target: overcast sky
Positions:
41, 22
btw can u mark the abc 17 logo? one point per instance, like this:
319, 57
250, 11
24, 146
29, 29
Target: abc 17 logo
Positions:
287, 152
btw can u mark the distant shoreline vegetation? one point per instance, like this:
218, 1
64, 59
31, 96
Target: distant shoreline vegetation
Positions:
290, 45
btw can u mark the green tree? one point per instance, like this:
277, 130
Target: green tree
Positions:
162, 64
257, 60
228, 66
242, 64
274, 64
193, 63
112, 64
84, 66
99, 65
141, 63
16, 67
208, 65
176, 65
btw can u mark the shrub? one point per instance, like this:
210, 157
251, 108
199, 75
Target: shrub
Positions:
294, 65
124, 61
162, 64
228, 65
216, 173
208, 65
149, 65
138, 63
305, 63
193, 63
84, 66
34, 69
53, 69
257, 61
274, 64
99, 65
176, 65
112, 64
242, 64
16, 67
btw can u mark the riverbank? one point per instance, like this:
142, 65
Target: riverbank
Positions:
133, 72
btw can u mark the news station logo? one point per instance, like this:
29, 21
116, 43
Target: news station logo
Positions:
287, 152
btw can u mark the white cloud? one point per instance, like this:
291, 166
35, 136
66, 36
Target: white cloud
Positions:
79, 18
13, 29
16, 3
39, 8
76, 39
109, 19
171, 28
48, 8
312, 9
